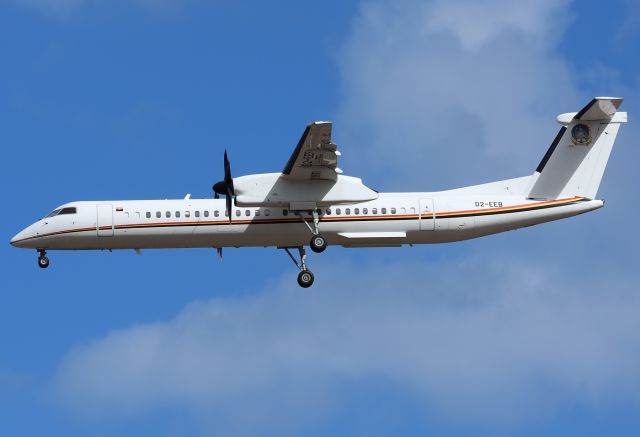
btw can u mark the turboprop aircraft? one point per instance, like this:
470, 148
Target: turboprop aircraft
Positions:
312, 202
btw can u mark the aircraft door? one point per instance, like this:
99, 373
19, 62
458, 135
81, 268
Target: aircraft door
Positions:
427, 215
105, 220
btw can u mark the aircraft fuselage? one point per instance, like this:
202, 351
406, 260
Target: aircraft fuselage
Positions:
393, 219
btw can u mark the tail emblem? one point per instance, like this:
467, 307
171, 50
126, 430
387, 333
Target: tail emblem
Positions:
581, 135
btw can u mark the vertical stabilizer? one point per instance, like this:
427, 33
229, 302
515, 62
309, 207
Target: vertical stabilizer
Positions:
575, 162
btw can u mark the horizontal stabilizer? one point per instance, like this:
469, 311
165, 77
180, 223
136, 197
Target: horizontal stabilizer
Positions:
599, 109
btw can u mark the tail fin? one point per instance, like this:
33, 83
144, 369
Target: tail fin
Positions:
574, 164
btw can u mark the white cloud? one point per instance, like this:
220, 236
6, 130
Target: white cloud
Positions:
497, 343
453, 93
476, 24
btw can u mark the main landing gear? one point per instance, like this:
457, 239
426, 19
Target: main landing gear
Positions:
305, 277
43, 261
318, 243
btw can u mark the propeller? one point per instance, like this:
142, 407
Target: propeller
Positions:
225, 186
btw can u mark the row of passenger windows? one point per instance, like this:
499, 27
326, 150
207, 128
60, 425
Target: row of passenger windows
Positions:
285, 212
187, 214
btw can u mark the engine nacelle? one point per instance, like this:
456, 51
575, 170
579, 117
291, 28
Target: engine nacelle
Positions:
277, 189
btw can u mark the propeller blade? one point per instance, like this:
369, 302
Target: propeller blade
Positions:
228, 179
227, 166
229, 199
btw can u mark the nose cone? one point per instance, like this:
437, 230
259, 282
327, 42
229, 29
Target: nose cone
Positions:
16, 239
19, 240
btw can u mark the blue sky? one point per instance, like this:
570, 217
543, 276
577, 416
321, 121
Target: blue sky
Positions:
526, 333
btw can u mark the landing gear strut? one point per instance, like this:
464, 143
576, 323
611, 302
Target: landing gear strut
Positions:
305, 277
318, 242
43, 261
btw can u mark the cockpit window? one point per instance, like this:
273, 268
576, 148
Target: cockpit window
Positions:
60, 211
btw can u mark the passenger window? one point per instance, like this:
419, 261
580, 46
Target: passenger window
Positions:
356, 211
267, 211
257, 213
197, 213
365, 211
338, 211
247, 212
383, 210
216, 213
177, 214
206, 213
168, 214
413, 210
403, 210
285, 212
187, 213
393, 210
148, 214
328, 211
374, 210
238, 213
347, 211
158, 214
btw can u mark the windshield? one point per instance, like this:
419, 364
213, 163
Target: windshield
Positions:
54, 212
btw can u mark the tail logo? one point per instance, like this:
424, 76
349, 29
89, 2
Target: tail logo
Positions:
581, 135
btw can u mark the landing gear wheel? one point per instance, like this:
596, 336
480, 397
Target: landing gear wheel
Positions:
43, 262
318, 243
305, 279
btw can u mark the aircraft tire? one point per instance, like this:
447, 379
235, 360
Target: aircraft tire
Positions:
318, 243
305, 279
43, 262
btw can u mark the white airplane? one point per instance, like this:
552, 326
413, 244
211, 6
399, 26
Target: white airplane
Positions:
311, 202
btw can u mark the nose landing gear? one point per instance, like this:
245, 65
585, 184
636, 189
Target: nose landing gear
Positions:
43, 261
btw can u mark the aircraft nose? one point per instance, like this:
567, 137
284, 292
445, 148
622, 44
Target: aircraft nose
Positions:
17, 239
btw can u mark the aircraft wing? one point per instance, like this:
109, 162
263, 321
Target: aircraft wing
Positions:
315, 156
